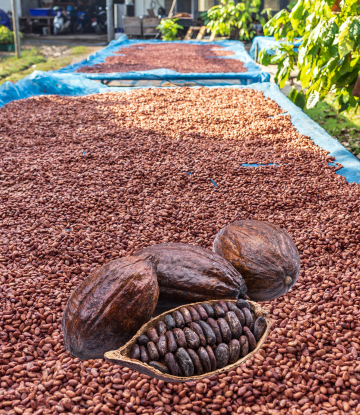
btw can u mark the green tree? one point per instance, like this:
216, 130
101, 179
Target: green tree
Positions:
169, 29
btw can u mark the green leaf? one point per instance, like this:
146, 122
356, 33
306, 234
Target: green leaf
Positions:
297, 14
345, 43
313, 99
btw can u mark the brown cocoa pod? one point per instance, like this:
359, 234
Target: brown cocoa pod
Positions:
180, 338
162, 345
225, 330
152, 351
216, 329
143, 340
208, 332
219, 312
259, 327
172, 364
198, 330
194, 314
240, 303
179, 319
204, 359
202, 313
222, 355
171, 343
109, 306
160, 367
184, 361
192, 339
135, 352
143, 355
223, 305
234, 350
251, 339
186, 314
153, 335
196, 362
234, 324
170, 322
237, 311
244, 346
161, 328
209, 310
249, 320
188, 274
212, 358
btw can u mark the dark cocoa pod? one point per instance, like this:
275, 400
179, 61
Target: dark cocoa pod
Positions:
171, 343
109, 306
222, 355
202, 313
172, 364
237, 311
209, 333
196, 362
161, 328
204, 359
186, 314
219, 312
143, 340
180, 338
223, 305
160, 367
259, 328
153, 335
169, 321
216, 329
188, 274
234, 324
179, 319
249, 320
209, 310
143, 355
234, 350
225, 330
194, 314
152, 351
251, 338
212, 358
135, 352
244, 346
184, 361
192, 339
242, 304
198, 330
162, 345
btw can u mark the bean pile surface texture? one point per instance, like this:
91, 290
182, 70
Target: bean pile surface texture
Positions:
85, 180
183, 58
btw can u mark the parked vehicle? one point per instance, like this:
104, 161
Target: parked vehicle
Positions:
82, 22
62, 21
99, 21
5, 19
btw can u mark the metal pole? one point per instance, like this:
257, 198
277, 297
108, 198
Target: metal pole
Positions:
110, 19
16, 28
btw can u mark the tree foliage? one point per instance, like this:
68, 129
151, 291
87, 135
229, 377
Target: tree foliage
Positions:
169, 29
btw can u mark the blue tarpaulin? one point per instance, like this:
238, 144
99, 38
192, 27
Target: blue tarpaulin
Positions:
267, 42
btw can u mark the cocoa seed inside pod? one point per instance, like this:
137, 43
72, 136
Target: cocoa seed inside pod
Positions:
251, 338
162, 345
225, 330
152, 351
194, 314
234, 324
172, 364
242, 304
249, 320
223, 305
161, 328
209, 333
135, 352
180, 338
244, 346
237, 311
159, 366
234, 350
179, 319
169, 321
198, 330
204, 358
216, 329
143, 355
222, 355
171, 343
212, 358
209, 310
196, 362
184, 361
186, 314
143, 340
202, 313
192, 339
219, 311
259, 327
153, 335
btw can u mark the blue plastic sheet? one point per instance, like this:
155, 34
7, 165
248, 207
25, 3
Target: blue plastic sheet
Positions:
254, 73
267, 42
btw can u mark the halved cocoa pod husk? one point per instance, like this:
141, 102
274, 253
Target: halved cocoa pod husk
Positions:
122, 355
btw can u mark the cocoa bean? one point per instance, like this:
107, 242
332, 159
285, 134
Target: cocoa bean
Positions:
223, 305
209, 310
180, 338
153, 335
143, 355
135, 352
171, 343
238, 312
143, 340
221, 355
251, 338
186, 314
225, 330
234, 350
172, 364
204, 359
170, 322
234, 324
192, 339
161, 328
259, 327
202, 313
212, 358
209, 333
216, 329
198, 330
152, 351
179, 319
241, 304
194, 314
162, 346
184, 361
249, 320
219, 311
244, 345
196, 362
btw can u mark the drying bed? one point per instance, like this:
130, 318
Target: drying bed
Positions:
101, 176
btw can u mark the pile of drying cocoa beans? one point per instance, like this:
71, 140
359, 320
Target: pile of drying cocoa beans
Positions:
88, 179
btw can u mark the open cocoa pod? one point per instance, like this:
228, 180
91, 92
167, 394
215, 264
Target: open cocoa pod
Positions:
122, 355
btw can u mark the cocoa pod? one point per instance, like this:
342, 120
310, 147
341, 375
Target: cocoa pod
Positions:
223, 305
249, 320
216, 329
204, 359
160, 367
259, 327
234, 324
172, 364
180, 338
153, 335
179, 319
186, 315
184, 361
244, 346
152, 351
162, 345
196, 362
161, 328
170, 322
251, 338
209, 310
192, 339
208, 332
234, 350
219, 312
194, 314
212, 358
171, 343
225, 330
198, 330
202, 313
240, 303
143, 355
222, 355
143, 340
135, 352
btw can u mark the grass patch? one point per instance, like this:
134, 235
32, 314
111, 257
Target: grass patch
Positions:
345, 127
